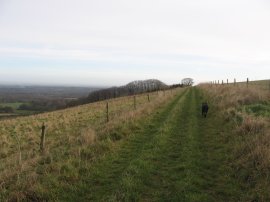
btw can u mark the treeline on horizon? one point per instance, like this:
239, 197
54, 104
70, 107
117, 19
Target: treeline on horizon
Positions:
42, 103
133, 88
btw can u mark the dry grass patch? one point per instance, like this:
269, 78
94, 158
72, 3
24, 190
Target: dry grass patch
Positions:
87, 137
229, 96
251, 125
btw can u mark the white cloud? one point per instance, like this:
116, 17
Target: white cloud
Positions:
226, 35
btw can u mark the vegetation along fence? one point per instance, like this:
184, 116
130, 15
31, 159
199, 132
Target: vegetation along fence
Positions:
265, 84
60, 133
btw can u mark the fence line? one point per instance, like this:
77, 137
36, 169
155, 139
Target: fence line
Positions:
262, 83
128, 103
114, 107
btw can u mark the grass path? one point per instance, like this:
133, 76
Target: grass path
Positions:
175, 156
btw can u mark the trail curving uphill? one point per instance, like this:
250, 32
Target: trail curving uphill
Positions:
175, 156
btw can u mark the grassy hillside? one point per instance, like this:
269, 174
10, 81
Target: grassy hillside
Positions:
247, 109
73, 136
16, 111
163, 150
260, 84
175, 156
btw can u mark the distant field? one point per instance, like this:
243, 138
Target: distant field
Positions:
37, 99
2, 115
37, 93
14, 105
17, 112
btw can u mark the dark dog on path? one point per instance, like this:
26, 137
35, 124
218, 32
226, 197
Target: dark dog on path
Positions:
204, 109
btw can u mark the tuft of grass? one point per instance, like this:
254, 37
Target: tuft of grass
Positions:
251, 125
258, 109
87, 137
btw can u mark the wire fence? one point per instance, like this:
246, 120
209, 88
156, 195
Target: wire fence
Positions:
263, 84
24, 138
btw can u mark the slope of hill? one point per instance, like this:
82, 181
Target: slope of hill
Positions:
246, 110
26, 100
75, 138
174, 155
156, 147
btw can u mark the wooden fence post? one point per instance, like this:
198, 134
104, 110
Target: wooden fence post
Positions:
42, 138
148, 98
234, 82
134, 100
247, 82
107, 111
227, 81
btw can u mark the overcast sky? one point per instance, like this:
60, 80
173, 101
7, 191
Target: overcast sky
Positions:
112, 42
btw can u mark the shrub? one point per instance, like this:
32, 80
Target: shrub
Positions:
6, 109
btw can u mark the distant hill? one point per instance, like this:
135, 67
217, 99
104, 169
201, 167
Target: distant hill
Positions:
32, 99
17, 93
146, 85
132, 88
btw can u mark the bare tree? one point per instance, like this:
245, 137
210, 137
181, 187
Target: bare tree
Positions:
187, 82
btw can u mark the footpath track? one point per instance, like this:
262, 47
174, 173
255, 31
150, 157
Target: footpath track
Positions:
175, 156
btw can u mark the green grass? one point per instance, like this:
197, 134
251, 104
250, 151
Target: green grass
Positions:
14, 105
174, 155
259, 109
70, 149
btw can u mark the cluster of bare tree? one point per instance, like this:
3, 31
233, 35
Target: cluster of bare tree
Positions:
187, 82
133, 88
